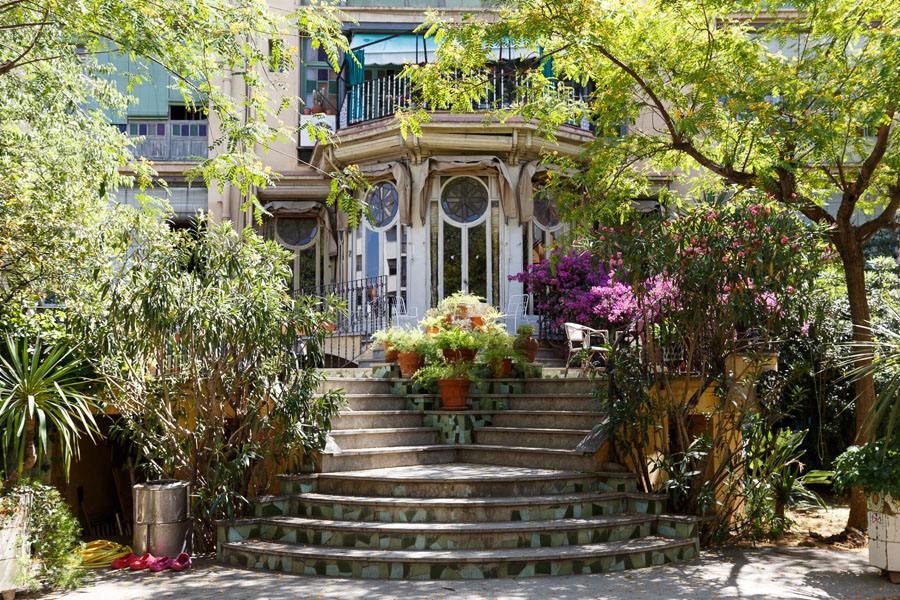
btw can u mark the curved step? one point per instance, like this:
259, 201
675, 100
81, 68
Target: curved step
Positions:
369, 419
457, 564
363, 459
447, 536
456, 480
524, 456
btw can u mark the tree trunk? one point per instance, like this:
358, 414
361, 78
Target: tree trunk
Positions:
851, 251
30, 455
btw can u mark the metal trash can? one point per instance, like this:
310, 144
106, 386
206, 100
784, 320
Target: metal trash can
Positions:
162, 518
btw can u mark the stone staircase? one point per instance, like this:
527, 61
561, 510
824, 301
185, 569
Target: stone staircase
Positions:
409, 491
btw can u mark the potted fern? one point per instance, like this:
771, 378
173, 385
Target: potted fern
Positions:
412, 349
499, 353
454, 380
458, 345
389, 338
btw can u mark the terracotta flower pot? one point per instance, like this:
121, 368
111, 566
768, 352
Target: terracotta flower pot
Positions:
307, 111
454, 393
318, 109
410, 362
462, 311
502, 369
476, 321
529, 348
460, 355
432, 330
390, 355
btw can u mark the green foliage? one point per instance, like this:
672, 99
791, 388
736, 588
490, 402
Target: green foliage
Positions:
55, 535
525, 331
200, 352
874, 467
389, 336
497, 345
457, 339
42, 394
441, 370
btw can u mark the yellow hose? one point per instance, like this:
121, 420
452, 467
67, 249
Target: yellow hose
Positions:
101, 553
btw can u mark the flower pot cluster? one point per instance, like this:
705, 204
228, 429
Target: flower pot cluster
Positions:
460, 341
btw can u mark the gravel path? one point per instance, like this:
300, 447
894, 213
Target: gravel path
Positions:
757, 573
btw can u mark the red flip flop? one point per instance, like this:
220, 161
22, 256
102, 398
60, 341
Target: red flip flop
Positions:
142, 563
161, 563
181, 562
123, 561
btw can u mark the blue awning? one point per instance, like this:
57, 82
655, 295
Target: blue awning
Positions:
382, 49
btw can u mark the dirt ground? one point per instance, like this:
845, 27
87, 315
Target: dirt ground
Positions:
816, 527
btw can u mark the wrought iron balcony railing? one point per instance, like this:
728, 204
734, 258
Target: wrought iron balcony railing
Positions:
169, 140
380, 98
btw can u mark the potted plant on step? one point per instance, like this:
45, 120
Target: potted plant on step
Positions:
432, 325
389, 337
458, 345
412, 349
453, 379
525, 343
498, 353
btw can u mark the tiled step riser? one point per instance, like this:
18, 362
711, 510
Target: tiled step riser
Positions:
530, 439
579, 403
531, 459
549, 420
357, 441
559, 386
375, 569
423, 540
355, 386
350, 486
352, 462
471, 514
362, 420
467, 513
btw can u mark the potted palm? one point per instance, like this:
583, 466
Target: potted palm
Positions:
453, 379
525, 343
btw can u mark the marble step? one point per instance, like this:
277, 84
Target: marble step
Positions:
362, 402
522, 456
456, 564
356, 385
355, 439
377, 419
546, 419
393, 456
456, 480
549, 401
559, 385
562, 439
451, 535
462, 510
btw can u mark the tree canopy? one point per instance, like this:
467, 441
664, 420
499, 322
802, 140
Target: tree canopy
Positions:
59, 156
719, 96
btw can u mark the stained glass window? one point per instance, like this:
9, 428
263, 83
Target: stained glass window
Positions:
383, 203
464, 200
545, 211
297, 231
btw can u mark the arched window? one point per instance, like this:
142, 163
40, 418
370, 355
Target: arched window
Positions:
301, 234
544, 229
465, 239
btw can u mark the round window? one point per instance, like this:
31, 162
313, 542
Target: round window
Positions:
545, 211
464, 200
383, 203
295, 231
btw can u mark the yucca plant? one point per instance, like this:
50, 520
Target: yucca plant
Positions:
42, 393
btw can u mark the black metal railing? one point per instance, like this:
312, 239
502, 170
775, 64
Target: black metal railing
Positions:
366, 309
383, 97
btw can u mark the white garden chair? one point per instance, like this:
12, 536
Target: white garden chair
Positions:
403, 317
586, 341
516, 312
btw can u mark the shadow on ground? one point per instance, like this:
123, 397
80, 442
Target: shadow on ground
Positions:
752, 573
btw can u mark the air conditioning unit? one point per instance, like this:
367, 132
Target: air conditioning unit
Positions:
317, 120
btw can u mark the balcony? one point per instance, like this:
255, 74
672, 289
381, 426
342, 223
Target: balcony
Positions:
381, 98
169, 140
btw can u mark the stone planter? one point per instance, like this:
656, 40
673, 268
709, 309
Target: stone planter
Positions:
884, 534
454, 393
14, 548
410, 362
